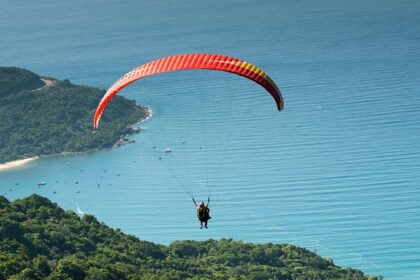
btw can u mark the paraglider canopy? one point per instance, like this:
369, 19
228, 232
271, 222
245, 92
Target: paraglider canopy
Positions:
192, 61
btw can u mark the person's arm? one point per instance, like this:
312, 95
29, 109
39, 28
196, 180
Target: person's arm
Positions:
208, 201
195, 203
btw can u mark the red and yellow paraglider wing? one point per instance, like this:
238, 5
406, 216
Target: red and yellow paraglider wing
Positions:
192, 61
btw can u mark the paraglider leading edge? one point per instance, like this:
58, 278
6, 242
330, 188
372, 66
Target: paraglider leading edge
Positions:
192, 61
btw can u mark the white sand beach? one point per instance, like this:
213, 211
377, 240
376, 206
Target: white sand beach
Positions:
16, 163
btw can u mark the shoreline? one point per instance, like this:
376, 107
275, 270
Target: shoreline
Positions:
16, 163
22, 162
149, 115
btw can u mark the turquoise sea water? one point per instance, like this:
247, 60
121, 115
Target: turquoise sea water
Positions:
337, 171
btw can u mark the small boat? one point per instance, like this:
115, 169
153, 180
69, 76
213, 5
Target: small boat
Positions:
42, 184
168, 150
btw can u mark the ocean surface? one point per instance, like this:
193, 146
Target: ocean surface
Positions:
337, 172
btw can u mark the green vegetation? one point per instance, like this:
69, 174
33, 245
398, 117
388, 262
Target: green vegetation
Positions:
39, 240
43, 120
13, 80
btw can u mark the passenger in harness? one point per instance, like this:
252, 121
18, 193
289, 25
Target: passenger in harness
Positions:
203, 212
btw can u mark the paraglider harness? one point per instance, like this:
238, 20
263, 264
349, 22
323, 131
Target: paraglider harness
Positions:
203, 213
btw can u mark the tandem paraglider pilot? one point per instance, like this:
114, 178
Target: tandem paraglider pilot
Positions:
203, 212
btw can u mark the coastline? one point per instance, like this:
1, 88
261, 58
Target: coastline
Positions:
149, 115
22, 162
16, 163
149, 111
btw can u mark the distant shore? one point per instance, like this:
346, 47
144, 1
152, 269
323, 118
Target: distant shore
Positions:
22, 162
149, 115
16, 163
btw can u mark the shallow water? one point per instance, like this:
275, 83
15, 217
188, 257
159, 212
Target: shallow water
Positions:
336, 171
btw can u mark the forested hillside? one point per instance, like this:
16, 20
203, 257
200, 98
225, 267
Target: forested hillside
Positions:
13, 80
39, 119
39, 240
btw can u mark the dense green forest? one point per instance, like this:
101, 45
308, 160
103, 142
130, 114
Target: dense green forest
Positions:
39, 240
39, 119
13, 80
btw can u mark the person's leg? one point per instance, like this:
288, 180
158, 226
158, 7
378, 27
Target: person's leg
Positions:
205, 225
201, 224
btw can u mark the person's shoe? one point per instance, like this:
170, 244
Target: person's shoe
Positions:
205, 226
201, 227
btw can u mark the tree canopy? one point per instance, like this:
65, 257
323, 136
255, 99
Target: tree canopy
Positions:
43, 120
13, 79
39, 240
